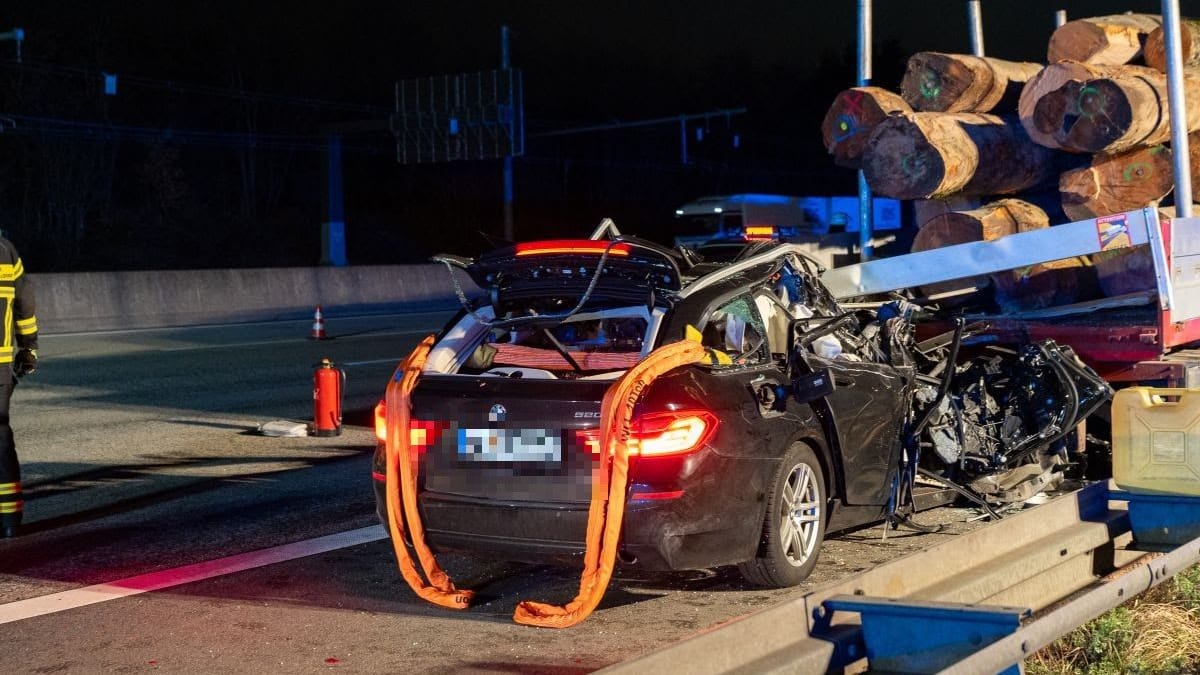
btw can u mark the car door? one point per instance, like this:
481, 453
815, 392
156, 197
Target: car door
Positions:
866, 411
746, 376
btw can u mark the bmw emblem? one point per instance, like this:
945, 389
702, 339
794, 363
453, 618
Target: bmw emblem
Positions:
497, 413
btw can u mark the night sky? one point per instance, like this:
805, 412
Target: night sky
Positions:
581, 59
154, 199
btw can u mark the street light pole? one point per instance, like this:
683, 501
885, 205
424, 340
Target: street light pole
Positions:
975, 24
865, 202
1178, 108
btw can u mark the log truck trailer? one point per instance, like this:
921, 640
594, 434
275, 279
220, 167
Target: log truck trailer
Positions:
1149, 337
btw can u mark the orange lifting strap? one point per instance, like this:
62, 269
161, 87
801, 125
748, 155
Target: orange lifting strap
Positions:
605, 513
401, 468
608, 487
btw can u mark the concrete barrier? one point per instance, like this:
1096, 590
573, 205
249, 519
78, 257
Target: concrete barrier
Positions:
119, 300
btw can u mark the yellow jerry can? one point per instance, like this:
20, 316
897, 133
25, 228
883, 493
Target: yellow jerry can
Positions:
1156, 440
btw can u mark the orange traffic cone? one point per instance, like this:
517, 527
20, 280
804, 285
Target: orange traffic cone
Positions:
318, 327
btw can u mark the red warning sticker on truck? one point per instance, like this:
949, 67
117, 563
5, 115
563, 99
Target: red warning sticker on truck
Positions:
1113, 232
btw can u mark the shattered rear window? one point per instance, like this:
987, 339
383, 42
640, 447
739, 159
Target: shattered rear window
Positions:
584, 345
597, 344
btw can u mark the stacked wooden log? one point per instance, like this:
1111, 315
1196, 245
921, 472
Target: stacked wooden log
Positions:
853, 116
976, 132
1115, 39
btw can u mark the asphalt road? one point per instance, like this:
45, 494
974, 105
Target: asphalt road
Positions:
142, 462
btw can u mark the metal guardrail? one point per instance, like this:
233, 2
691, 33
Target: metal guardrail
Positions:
963, 606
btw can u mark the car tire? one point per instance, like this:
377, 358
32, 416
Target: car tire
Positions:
794, 525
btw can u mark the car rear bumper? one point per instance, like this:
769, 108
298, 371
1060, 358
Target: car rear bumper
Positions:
711, 523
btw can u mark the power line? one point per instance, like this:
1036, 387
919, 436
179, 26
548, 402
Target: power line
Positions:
106, 131
63, 128
658, 121
199, 89
283, 99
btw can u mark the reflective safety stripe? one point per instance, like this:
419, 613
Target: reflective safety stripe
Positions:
8, 294
10, 498
12, 272
10, 275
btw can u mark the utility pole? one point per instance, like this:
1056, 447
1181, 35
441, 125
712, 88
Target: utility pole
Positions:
508, 160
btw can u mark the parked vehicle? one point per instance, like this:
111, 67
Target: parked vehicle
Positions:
827, 226
782, 217
808, 418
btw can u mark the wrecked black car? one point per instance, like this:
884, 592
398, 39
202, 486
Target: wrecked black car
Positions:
809, 416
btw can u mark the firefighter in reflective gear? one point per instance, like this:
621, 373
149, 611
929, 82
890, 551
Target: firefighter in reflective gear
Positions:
18, 357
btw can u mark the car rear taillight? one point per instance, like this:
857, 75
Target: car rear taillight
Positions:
421, 433
676, 432
571, 246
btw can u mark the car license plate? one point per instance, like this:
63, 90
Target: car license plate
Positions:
509, 445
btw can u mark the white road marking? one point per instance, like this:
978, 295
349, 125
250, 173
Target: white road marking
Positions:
372, 334
195, 348
395, 360
154, 581
175, 329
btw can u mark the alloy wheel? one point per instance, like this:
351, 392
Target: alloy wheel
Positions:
800, 515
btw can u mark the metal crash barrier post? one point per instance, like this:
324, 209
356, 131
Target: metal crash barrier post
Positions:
911, 636
1161, 522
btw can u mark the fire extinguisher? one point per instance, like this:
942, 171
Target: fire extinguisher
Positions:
327, 399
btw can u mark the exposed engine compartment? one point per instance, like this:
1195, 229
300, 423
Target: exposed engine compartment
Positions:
1008, 423
996, 423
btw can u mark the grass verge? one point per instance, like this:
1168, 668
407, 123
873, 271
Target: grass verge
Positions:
1157, 632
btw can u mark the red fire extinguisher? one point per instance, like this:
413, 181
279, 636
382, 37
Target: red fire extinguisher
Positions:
327, 399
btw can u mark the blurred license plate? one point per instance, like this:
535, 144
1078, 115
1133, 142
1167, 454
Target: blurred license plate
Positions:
509, 445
